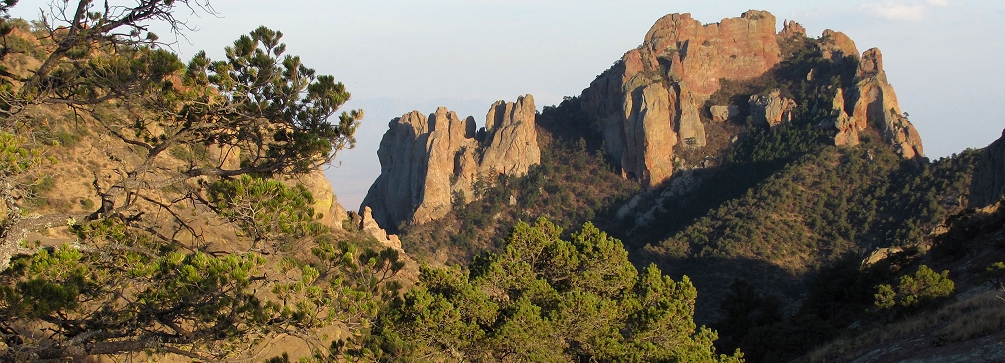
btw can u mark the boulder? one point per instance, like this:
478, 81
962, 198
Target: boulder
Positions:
836, 46
772, 109
723, 113
988, 184
427, 163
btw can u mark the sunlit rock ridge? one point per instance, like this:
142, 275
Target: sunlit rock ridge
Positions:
650, 108
648, 105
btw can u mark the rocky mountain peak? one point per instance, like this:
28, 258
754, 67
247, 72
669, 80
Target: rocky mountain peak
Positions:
430, 163
648, 107
836, 45
875, 103
650, 102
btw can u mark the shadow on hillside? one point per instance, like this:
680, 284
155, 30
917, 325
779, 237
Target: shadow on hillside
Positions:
712, 277
719, 185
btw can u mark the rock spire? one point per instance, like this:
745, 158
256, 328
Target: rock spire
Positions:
429, 163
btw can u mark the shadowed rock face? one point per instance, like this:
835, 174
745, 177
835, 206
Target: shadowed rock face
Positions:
428, 162
654, 93
988, 185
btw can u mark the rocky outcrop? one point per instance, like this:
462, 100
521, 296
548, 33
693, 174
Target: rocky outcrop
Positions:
681, 61
428, 163
648, 137
879, 255
772, 109
512, 146
370, 226
836, 46
988, 184
847, 130
325, 201
791, 29
875, 103
723, 113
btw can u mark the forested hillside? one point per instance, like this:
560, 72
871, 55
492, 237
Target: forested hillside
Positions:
806, 212
160, 209
723, 193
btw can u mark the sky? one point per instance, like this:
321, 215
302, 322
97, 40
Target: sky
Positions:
943, 57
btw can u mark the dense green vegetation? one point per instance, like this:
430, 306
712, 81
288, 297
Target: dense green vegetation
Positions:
829, 203
270, 213
543, 298
133, 291
925, 287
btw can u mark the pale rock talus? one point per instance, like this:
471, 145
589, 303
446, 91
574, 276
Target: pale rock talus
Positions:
723, 113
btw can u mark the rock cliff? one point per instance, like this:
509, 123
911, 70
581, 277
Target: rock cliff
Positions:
988, 184
875, 103
430, 163
649, 104
325, 200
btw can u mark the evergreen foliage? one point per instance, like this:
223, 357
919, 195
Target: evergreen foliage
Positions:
545, 299
921, 289
135, 292
134, 281
828, 203
267, 211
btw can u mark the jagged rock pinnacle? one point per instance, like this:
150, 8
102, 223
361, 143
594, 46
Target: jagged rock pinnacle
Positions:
428, 163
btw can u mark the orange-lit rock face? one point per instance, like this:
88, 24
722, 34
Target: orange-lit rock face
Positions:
876, 105
836, 45
687, 58
734, 48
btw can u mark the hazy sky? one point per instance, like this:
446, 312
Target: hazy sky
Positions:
942, 56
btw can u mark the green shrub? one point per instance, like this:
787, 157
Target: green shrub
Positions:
924, 288
87, 204
544, 298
